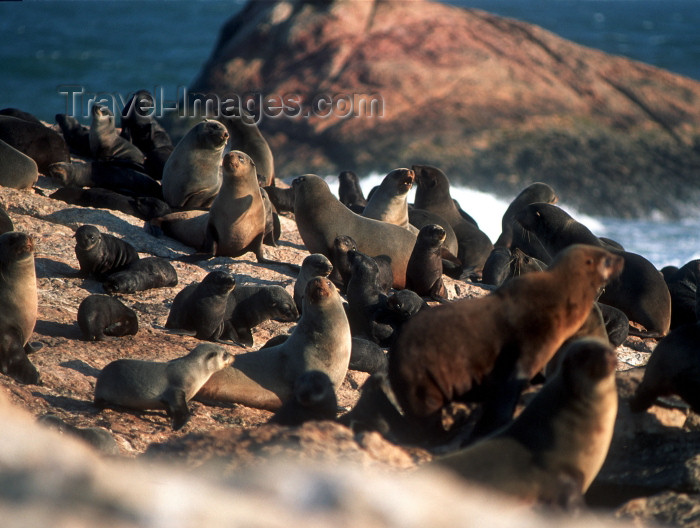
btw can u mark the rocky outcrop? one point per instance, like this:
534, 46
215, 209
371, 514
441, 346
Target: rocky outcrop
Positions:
495, 102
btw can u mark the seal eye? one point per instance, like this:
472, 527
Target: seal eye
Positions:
588, 261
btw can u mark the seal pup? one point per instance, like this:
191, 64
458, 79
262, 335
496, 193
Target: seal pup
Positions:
192, 174
321, 340
17, 170
246, 137
314, 265
350, 192
673, 368
100, 254
640, 291
504, 263
424, 271
202, 306
235, 223
18, 305
39, 142
101, 315
683, 285
343, 247
145, 208
141, 385
433, 194
105, 141
6, 224
116, 175
553, 450
76, 135
321, 217
389, 203
98, 437
248, 306
313, 399
365, 298
142, 274
497, 343
533, 193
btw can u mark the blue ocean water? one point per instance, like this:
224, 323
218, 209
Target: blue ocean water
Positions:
117, 47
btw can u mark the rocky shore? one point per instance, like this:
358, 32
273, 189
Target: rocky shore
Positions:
320, 473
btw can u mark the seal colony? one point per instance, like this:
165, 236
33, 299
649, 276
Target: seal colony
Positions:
427, 348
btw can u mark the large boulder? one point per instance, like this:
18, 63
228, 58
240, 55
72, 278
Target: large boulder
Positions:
495, 102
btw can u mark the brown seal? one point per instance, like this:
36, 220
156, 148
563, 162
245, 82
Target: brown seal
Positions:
554, 449
320, 341
18, 306
314, 265
533, 193
673, 368
389, 202
192, 174
137, 384
433, 194
640, 291
236, 221
44, 145
424, 272
321, 217
488, 348
105, 141
17, 170
101, 315
350, 192
246, 137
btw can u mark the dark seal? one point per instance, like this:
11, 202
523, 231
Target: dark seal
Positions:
102, 315
100, 254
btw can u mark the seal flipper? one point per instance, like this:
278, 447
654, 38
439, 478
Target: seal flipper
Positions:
175, 404
14, 361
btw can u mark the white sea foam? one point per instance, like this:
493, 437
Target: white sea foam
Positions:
663, 242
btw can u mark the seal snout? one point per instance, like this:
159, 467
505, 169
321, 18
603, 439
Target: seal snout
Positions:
318, 288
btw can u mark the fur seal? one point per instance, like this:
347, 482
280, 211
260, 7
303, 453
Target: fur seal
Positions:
105, 141
142, 385
321, 340
424, 271
313, 399
119, 176
350, 192
236, 221
142, 274
21, 114
420, 218
43, 145
504, 263
365, 298
553, 450
640, 291
76, 135
101, 315
343, 247
18, 304
98, 437
140, 128
100, 254
533, 193
144, 208
673, 368
282, 198
246, 137
6, 224
314, 265
202, 306
683, 285
496, 343
433, 194
192, 174
389, 203
17, 170
321, 217
248, 306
